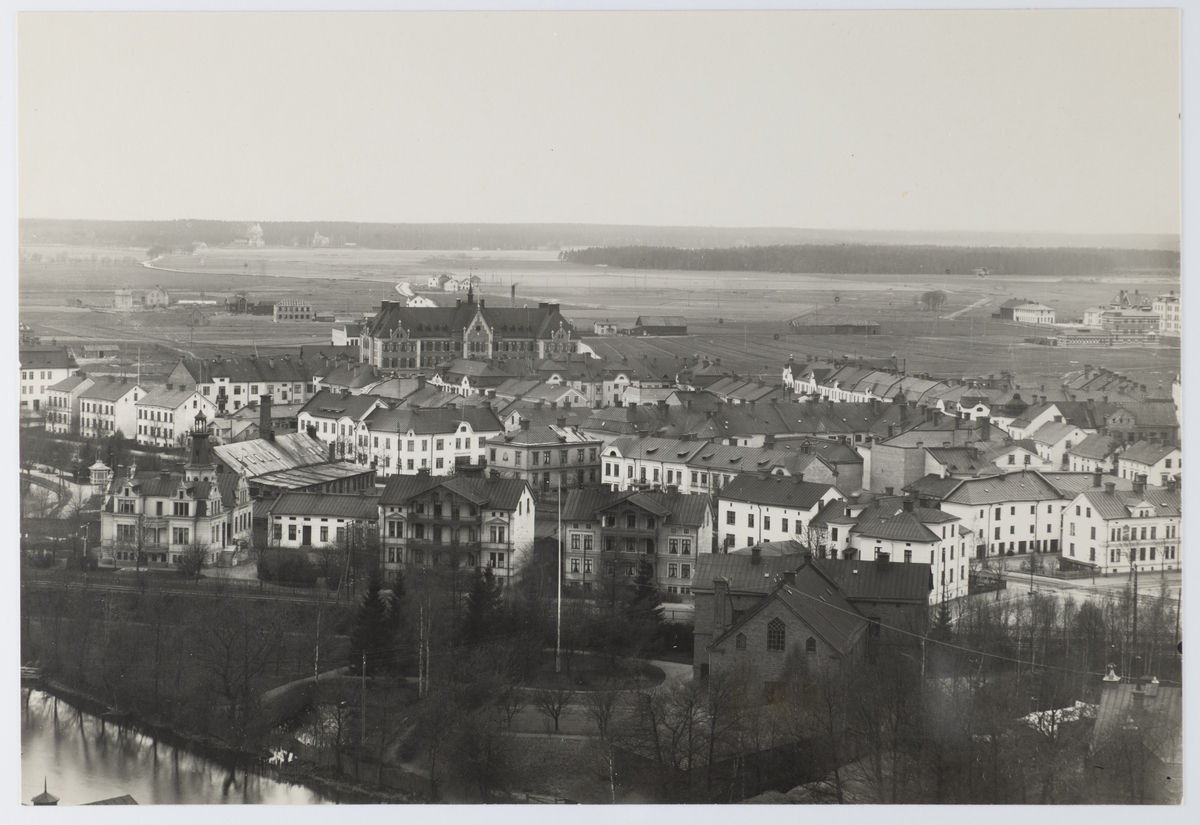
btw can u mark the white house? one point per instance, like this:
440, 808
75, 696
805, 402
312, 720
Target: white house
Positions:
304, 521
1111, 530
62, 404
1159, 463
334, 418
1095, 454
109, 407
1033, 314
438, 441
1055, 439
903, 533
752, 509
166, 415
41, 368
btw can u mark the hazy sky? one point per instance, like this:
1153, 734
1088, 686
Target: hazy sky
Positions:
1061, 121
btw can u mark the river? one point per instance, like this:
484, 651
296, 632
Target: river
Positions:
84, 760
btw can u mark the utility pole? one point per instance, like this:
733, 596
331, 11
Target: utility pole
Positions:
558, 631
362, 714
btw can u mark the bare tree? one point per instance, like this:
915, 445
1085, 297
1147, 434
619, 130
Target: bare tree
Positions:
553, 701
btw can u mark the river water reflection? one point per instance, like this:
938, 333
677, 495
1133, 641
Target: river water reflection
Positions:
84, 760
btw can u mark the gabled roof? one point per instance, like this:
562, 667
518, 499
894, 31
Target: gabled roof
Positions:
934, 486
363, 507
894, 524
1052, 432
776, 491
297, 477
1146, 452
1159, 722
169, 398
109, 388
1072, 484
817, 604
493, 493
857, 579
251, 370
660, 321
352, 376
1097, 447
549, 435
68, 384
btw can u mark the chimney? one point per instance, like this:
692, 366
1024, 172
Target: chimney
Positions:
789, 577
1171, 486
1110, 487
525, 423
720, 606
755, 556
882, 561
1139, 484
481, 303
562, 422
985, 428
1097, 479
769, 441
170, 386
264, 418
887, 491
908, 504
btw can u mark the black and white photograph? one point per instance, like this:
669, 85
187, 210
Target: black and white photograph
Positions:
597, 407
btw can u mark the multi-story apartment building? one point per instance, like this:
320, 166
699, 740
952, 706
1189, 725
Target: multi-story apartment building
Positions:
109, 406
42, 366
165, 415
762, 508
905, 533
62, 404
1168, 309
455, 522
232, 383
402, 337
334, 418
154, 518
1015, 513
1111, 530
548, 457
292, 309
1095, 454
438, 442
611, 534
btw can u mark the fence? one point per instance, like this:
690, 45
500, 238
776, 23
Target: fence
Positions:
359, 768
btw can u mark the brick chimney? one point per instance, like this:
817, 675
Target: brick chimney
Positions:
1139, 485
756, 556
1110, 487
789, 577
720, 606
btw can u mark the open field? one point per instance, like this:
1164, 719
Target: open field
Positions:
731, 315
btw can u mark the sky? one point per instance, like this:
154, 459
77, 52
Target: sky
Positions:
1054, 121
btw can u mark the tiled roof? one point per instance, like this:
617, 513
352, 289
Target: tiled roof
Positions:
336, 505
777, 491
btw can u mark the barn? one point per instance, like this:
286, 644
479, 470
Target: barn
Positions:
660, 325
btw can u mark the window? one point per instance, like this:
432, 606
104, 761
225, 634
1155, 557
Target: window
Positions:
546, 458
750, 519
631, 521
784, 525
534, 460
181, 508
574, 565
179, 535
810, 645
324, 534
687, 547
574, 541
673, 571
775, 635
685, 571
730, 517
766, 522
673, 546
291, 532
740, 641
278, 533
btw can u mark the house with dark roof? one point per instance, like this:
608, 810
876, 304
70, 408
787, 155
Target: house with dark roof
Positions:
109, 406
613, 533
304, 521
403, 337
410, 440
231, 383
1137, 741
456, 522
153, 519
334, 417
1158, 463
659, 325
755, 508
1112, 530
1054, 439
892, 597
1095, 454
42, 366
550, 457
801, 629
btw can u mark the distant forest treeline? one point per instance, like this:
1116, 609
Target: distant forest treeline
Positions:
880, 259
183, 234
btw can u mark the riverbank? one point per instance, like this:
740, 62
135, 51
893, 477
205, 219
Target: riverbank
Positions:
336, 788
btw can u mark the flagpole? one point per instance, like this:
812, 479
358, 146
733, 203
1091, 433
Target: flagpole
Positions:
558, 632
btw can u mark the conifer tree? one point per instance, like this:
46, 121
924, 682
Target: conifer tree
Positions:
371, 635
